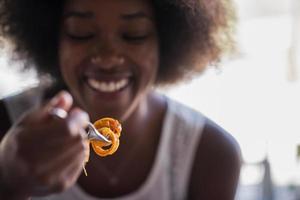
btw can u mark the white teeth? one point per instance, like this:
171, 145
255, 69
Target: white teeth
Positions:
103, 86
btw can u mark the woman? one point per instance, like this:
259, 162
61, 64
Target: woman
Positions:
107, 56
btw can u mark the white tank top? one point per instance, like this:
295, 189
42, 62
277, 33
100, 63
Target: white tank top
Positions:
170, 174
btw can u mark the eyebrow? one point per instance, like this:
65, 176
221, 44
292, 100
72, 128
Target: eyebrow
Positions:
87, 15
136, 15
79, 14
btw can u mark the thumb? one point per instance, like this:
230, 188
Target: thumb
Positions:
62, 100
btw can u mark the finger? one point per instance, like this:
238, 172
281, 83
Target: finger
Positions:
70, 175
71, 125
55, 132
59, 159
47, 140
62, 100
42, 150
60, 179
51, 150
67, 178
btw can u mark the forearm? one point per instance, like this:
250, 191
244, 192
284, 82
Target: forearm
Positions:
4, 196
8, 193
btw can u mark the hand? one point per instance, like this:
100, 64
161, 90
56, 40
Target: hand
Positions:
42, 154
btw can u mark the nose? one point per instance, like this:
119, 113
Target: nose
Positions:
107, 55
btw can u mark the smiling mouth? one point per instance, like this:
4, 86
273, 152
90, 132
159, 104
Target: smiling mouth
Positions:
108, 86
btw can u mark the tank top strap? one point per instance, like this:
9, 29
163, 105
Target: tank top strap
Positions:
186, 126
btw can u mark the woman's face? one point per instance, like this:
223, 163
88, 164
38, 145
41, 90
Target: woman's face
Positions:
108, 54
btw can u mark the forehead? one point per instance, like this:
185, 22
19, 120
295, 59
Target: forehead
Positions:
109, 6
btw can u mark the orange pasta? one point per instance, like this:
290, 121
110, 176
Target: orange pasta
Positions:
101, 148
111, 129
111, 123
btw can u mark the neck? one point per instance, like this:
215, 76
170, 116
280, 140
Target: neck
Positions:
145, 116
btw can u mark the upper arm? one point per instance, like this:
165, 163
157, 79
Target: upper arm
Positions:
4, 120
216, 168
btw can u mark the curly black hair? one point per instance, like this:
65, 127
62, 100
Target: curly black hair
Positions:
193, 34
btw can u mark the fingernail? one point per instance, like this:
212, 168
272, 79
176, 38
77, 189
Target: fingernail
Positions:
54, 101
61, 95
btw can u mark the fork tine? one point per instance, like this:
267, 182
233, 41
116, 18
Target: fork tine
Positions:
94, 134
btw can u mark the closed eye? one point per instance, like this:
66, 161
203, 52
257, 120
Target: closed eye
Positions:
135, 38
79, 37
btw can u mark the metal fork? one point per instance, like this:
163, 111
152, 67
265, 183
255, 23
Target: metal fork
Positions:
92, 132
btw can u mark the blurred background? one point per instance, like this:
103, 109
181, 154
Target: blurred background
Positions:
255, 96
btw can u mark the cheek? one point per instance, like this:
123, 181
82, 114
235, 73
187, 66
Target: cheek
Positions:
148, 59
69, 57
152, 63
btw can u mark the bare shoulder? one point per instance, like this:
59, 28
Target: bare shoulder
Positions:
216, 168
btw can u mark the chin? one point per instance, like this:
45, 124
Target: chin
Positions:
116, 112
